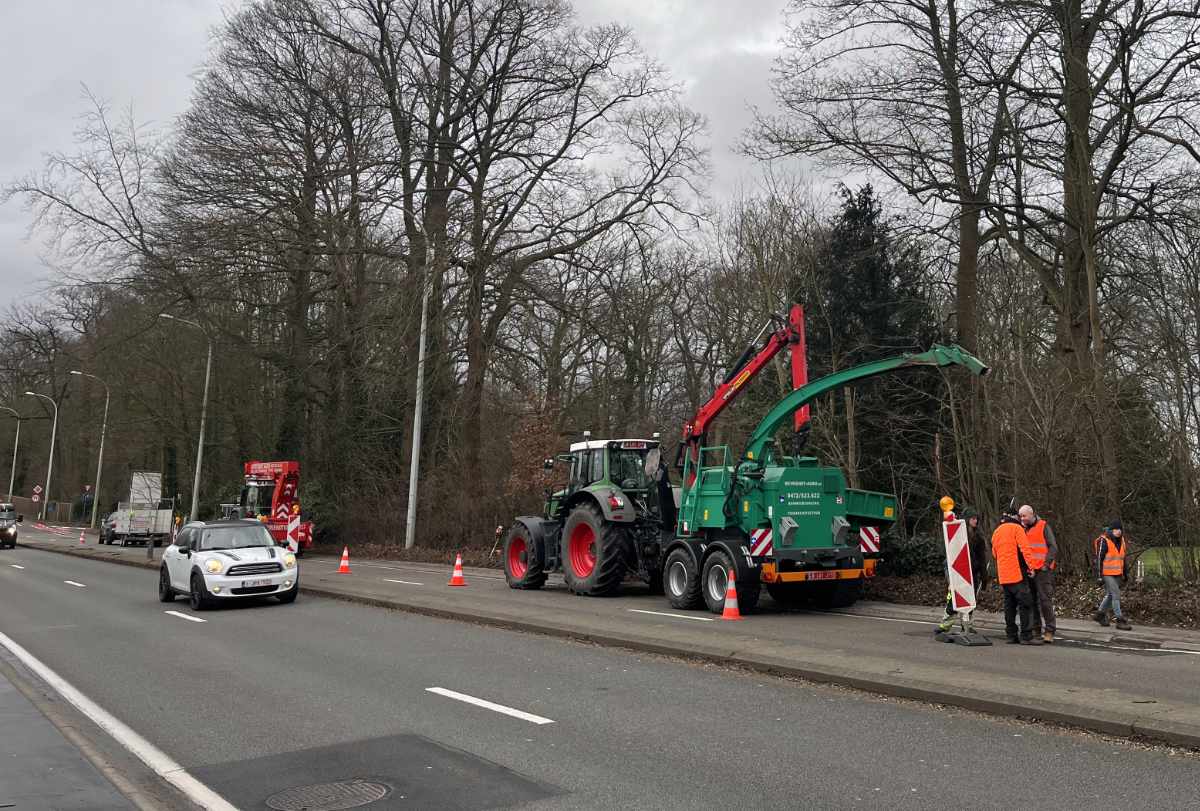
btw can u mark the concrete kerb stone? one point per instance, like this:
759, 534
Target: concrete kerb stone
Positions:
1153, 725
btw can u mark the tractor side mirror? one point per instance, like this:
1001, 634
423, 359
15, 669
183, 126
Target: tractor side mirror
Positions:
548, 464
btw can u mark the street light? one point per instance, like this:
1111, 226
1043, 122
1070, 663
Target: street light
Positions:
12, 476
100, 457
203, 413
50, 464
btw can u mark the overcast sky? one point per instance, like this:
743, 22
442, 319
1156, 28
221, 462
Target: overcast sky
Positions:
145, 52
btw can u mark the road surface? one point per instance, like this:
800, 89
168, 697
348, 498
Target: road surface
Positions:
263, 699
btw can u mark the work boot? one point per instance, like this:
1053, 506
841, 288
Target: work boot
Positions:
1033, 640
1048, 638
1012, 640
1123, 624
1101, 617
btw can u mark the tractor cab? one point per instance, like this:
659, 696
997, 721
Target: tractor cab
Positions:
625, 466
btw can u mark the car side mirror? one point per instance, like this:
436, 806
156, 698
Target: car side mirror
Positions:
548, 464
184, 550
20, 519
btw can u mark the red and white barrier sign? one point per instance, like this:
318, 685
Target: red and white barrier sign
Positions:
958, 560
868, 540
293, 533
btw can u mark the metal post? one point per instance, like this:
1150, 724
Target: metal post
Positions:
50, 464
410, 529
195, 515
12, 476
100, 456
203, 415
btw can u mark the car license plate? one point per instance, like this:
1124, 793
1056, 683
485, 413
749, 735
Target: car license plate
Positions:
822, 575
249, 584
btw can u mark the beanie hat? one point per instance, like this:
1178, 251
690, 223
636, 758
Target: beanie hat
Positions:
1115, 524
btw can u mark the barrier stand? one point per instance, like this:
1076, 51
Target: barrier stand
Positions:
956, 542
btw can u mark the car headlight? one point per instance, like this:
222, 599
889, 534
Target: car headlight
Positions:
289, 560
213, 565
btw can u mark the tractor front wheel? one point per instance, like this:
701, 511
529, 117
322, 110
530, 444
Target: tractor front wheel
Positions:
523, 566
593, 553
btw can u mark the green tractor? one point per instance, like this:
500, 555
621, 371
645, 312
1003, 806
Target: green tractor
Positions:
607, 522
766, 517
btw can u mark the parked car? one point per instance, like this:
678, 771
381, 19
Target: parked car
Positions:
213, 561
108, 528
8, 525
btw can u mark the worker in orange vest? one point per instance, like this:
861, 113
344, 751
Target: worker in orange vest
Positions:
1110, 568
1043, 560
1010, 548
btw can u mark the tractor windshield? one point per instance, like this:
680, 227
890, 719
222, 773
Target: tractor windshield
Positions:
627, 468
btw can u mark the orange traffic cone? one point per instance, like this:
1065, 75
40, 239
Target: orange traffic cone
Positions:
456, 579
345, 567
731, 607
81, 540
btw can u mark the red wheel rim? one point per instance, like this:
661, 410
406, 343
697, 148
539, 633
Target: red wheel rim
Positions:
517, 565
581, 547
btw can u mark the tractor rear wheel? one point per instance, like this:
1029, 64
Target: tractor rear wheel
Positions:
593, 553
523, 565
681, 580
718, 568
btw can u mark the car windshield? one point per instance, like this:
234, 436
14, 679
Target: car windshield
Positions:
627, 468
7, 511
241, 537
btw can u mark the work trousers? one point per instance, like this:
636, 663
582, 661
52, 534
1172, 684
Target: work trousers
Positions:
1018, 599
1112, 595
1042, 585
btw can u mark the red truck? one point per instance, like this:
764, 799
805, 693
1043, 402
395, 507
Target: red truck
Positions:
271, 494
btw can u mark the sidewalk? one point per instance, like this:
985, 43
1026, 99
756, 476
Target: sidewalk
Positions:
1141, 684
40, 768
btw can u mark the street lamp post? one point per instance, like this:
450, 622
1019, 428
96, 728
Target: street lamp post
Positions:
12, 476
50, 464
203, 414
100, 457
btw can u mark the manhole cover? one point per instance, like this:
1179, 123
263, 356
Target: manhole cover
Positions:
329, 796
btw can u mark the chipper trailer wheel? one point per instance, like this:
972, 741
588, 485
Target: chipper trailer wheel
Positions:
718, 568
523, 567
592, 552
838, 594
681, 580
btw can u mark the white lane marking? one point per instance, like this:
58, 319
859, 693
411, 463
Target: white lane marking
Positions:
76, 585
487, 705
16, 566
403, 582
881, 619
676, 616
145, 751
183, 616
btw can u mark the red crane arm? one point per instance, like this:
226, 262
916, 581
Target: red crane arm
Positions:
789, 336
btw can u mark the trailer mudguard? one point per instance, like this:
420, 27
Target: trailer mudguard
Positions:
737, 546
693, 546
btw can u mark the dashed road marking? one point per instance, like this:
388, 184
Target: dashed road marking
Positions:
488, 705
676, 616
16, 566
76, 585
183, 616
403, 582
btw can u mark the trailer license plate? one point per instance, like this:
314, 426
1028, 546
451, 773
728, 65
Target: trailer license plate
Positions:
822, 575
249, 584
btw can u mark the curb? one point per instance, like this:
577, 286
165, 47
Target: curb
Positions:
1138, 726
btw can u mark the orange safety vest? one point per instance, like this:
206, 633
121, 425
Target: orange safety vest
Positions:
1037, 546
1114, 558
1006, 540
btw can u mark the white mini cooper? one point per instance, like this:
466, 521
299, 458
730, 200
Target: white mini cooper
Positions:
220, 560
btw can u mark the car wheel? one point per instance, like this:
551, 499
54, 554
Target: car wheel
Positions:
290, 595
166, 593
198, 596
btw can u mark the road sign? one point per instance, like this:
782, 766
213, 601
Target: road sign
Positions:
36, 498
958, 556
37, 488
